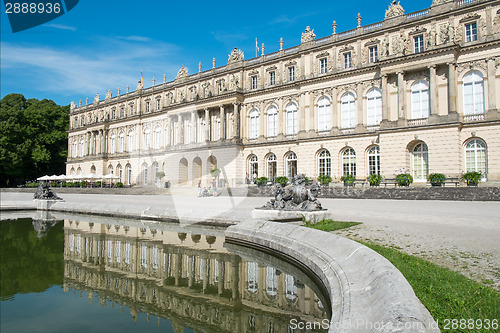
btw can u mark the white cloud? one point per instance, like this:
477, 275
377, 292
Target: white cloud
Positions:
86, 70
135, 38
60, 26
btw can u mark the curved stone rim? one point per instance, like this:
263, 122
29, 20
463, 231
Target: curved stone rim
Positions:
365, 289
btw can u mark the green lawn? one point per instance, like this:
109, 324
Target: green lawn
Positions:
448, 295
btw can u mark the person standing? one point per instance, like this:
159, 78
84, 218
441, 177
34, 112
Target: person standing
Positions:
199, 188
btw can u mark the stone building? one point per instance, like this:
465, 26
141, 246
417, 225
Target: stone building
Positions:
415, 93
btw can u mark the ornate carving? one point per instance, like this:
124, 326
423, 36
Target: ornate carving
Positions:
96, 98
234, 82
384, 50
373, 41
439, 2
291, 63
235, 56
272, 68
496, 23
45, 193
72, 105
432, 37
109, 94
395, 9
253, 72
444, 33
323, 54
183, 72
206, 89
169, 97
308, 35
470, 17
398, 43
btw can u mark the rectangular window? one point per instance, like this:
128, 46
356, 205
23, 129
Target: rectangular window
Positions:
323, 65
148, 107
113, 114
471, 32
347, 60
131, 110
418, 43
291, 73
158, 105
122, 112
272, 78
254, 82
373, 54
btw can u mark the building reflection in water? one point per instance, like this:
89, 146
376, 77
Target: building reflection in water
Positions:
190, 279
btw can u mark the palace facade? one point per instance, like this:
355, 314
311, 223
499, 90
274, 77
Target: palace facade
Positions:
416, 93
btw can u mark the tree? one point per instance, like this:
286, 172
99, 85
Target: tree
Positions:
33, 139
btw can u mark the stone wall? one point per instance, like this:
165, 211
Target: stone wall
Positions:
398, 193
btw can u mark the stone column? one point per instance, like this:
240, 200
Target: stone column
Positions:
236, 121
492, 103
105, 138
262, 122
433, 93
179, 130
401, 96
334, 113
87, 150
207, 125
235, 274
281, 120
385, 106
360, 127
220, 282
452, 88
222, 116
301, 110
193, 126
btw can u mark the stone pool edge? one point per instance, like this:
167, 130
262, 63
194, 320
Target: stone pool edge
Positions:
367, 293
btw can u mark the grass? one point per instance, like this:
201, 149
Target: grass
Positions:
448, 295
330, 225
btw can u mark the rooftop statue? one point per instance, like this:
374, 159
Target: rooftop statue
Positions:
183, 72
395, 9
308, 35
296, 196
235, 56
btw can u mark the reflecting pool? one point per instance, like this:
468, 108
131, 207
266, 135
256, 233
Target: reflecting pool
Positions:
78, 275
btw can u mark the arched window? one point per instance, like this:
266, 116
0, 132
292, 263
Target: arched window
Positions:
253, 168
290, 288
374, 107
349, 162
130, 141
122, 142
419, 100
119, 171
157, 137
324, 163
475, 156
348, 111
147, 139
82, 147
291, 165
254, 124
324, 114
271, 281
156, 169
473, 93
75, 148
374, 161
113, 143
420, 156
128, 168
291, 119
253, 276
272, 166
272, 122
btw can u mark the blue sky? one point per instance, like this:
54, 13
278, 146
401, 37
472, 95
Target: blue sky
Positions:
101, 45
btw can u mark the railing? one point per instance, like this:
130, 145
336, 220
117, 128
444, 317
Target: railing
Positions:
346, 34
253, 61
372, 27
292, 50
462, 3
416, 15
323, 40
347, 130
474, 117
417, 122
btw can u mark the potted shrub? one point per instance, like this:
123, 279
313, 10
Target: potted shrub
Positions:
119, 184
404, 179
436, 179
324, 179
281, 180
215, 172
348, 180
261, 181
472, 177
374, 179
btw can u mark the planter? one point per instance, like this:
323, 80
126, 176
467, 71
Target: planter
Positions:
471, 183
374, 185
348, 183
437, 184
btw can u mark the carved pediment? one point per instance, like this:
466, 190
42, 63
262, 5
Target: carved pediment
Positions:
291, 63
417, 30
183, 72
395, 9
373, 41
253, 72
323, 55
346, 48
308, 35
235, 56
470, 17
272, 68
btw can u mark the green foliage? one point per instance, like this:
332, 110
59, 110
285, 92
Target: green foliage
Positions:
215, 172
404, 179
472, 177
119, 184
348, 180
374, 179
29, 263
98, 183
330, 225
436, 178
445, 293
160, 174
261, 181
324, 179
281, 180
32, 184
33, 139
